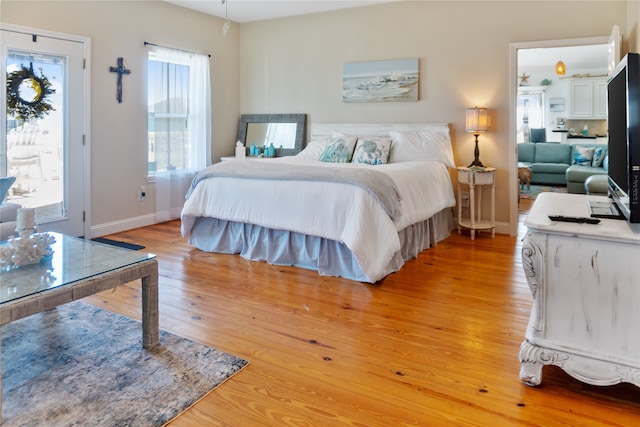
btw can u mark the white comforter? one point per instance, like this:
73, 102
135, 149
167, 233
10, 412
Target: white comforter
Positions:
341, 212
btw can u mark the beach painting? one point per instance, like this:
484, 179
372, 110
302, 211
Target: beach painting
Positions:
378, 81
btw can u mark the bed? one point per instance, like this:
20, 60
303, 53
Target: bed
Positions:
359, 220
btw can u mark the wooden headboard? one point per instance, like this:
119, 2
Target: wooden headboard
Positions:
320, 131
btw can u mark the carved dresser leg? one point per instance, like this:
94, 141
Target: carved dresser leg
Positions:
531, 368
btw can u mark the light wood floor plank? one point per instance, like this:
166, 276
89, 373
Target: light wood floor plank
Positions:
435, 344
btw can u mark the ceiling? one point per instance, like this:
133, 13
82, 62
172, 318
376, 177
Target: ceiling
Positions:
577, 59
243, 11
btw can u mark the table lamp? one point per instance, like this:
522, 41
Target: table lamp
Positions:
476, 123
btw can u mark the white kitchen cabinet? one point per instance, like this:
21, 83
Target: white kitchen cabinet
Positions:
588, 98
600, 99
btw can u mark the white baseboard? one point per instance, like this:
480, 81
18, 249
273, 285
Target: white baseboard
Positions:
123, 225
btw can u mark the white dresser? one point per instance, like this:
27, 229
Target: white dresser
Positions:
585, 283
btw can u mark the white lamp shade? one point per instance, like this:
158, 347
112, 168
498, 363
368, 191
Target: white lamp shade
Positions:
477, 120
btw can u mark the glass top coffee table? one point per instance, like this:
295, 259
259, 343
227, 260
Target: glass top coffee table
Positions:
76, 269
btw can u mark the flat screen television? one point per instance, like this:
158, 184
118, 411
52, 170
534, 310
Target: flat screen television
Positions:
623, 116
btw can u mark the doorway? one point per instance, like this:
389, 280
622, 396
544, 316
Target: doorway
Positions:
43, 134
545, 51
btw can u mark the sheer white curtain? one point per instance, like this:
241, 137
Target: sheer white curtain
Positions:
194, 89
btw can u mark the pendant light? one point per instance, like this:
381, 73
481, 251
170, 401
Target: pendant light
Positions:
560, 68
226, 25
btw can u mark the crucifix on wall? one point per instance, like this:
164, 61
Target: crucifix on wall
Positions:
120, 69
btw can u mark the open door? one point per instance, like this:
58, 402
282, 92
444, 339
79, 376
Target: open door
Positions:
42, 135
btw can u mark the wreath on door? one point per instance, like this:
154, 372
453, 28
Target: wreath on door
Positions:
27, 94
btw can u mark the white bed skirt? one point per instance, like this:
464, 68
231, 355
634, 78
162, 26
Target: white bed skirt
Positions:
328, 257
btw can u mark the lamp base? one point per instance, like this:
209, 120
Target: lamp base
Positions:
476, 162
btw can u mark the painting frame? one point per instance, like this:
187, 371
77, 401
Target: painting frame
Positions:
394, 80
556, 105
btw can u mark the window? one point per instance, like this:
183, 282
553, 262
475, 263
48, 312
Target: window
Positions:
529, 112
179, 116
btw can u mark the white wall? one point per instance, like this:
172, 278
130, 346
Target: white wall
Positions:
295, 65
119, 131
633, 22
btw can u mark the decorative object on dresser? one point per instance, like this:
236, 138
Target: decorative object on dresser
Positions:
286, 132
472, 177
586, 301
362, 219
477, 123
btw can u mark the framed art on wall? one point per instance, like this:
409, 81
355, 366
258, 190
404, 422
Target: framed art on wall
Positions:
379, 81
556, 105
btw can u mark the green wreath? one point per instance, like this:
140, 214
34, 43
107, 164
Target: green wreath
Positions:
36, 107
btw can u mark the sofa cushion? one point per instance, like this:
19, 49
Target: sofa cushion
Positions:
553, 153
597, 184
526, 153
578, 173
574, 147
598, 157
558, 168
583, 156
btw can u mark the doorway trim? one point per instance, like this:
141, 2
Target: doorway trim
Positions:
513, 93
86, 114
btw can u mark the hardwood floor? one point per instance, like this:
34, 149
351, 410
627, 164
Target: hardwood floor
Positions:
435, 344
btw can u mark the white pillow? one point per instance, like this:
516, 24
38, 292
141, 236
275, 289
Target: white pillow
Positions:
314, 149
421, 145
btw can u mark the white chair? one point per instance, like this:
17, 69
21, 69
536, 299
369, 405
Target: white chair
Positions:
23, 155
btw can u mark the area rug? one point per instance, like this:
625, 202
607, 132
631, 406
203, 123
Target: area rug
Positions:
531, 193
118, 243
79, 365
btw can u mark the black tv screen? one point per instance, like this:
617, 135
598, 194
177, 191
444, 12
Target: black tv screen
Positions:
623, 115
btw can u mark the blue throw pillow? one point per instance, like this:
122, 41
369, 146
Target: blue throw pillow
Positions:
372, 151
598, 157
5, 184
583, 156
339, 150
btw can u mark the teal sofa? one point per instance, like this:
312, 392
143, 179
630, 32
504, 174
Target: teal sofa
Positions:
553, 164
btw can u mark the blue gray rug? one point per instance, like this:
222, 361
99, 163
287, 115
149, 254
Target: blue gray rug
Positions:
79, 365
